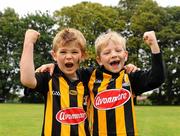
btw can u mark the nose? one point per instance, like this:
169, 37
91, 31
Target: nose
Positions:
114, 54
68, 56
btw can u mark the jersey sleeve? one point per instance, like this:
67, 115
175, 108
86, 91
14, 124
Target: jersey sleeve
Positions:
86, 74
42, 83
143, 81
85, 77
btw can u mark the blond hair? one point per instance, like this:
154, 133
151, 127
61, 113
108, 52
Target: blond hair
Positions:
67, 36
105, 38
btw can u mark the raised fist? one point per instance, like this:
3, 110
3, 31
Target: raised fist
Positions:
150, 38
31, 36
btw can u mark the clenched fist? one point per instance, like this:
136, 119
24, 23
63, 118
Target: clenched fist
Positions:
150, 39
31, 36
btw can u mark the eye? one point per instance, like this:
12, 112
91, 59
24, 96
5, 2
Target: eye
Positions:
119, 50
62, 52
106, 52
75, 52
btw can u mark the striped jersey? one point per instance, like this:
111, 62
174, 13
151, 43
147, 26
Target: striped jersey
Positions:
65, 105
113, 109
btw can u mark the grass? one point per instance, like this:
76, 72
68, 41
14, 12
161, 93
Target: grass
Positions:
158, 120
21, 119
26, 120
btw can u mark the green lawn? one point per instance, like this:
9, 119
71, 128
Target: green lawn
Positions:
21, 119
26, 120
158, 120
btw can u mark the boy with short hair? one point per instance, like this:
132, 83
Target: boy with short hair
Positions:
64, 91
112, 90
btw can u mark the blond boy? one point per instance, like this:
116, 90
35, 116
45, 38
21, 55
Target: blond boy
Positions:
64, 92
112, 90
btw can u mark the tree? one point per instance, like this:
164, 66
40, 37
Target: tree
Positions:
9, 44
91, 19
147, 16
44, 23
170, 41
144, 16
12, 29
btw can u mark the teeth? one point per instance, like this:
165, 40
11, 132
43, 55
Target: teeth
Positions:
114, 63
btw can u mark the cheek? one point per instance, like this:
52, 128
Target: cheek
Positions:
104, 60
59, 58
123, 55
80, 57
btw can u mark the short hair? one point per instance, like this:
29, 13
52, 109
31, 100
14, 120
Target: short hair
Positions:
67, 36
104, 38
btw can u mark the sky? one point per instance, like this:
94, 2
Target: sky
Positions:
22, 7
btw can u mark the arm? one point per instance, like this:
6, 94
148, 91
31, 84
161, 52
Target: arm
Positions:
27, 71
131, 68
50, 68
143, 81
46, 68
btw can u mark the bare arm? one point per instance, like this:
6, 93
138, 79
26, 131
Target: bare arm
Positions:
46, 68
27, 70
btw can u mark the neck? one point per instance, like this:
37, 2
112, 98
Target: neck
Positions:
73, 77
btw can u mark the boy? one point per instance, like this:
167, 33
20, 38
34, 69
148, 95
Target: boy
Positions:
112, 90
64, 91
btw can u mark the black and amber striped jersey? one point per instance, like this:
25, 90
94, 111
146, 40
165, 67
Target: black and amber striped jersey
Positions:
112, 111
113, 108
65, 105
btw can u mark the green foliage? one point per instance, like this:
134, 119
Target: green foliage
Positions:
131, 18
170, 40
45, 24
90, 18
10, 41
12, 29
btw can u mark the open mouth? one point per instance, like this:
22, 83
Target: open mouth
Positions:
115, 63
69, 65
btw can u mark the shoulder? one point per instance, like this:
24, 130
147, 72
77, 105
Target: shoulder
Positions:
85, 73
42, 77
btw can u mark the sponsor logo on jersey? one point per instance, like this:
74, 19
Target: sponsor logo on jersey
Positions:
97, 81
72, 92
110, 99
57, 93
71, 116
125, 84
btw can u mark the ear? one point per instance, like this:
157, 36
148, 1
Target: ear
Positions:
126, 56
53, 54
83, 57
125, 59
98, 59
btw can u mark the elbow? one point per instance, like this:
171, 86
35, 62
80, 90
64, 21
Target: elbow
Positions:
163, 74
28, 82
158, 82
162, 77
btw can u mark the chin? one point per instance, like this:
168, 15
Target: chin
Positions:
115, 71
69, 72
